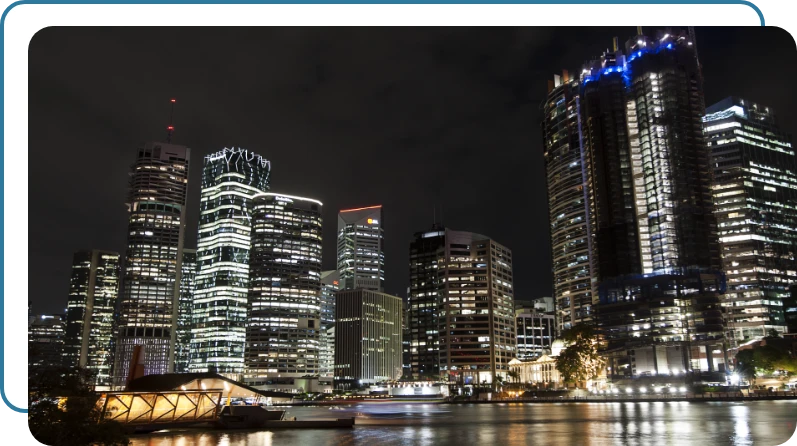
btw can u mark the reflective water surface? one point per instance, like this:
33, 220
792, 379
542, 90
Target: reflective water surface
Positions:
646, 423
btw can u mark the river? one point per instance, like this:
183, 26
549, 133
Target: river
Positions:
763, 423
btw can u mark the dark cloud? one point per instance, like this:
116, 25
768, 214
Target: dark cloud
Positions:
411, 118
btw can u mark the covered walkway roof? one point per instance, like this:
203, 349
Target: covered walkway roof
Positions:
201, 381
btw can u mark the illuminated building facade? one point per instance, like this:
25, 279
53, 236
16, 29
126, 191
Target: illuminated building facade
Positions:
183, 331
361, 259
675, 213
367, 337
231, 178
93, 290
566, 177
755, 194
284, 318
151, 283
475, 308
330, 284
45, 342
535, 334
663, 324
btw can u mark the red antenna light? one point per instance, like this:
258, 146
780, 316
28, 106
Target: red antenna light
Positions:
170, 128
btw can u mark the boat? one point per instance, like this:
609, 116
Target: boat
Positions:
257, 417
247, 417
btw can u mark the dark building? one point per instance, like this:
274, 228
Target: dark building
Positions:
427, 255
790, 310
284, 311
610, 180
535, 334
93, 292
330, 284
151, 283
45, 342
755, 194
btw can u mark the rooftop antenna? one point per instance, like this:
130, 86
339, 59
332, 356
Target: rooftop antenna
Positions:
170, 128
434, 215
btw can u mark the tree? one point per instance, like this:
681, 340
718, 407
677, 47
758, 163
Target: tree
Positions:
579, 362
514, 375
745, 365
63, 410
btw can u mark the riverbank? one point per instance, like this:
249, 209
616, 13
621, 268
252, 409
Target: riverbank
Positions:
560, 399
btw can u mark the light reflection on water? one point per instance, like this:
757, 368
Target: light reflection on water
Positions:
644, 423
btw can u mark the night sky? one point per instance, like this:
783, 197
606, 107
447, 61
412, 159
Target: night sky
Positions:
410, 118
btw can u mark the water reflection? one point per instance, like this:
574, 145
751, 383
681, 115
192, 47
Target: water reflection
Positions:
657, 423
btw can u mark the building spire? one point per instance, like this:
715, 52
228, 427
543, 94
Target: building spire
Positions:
170, 128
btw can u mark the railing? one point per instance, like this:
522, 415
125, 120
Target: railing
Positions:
144, 408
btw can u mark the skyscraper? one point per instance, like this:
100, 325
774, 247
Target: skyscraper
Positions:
231, 178
183, 332
284, 318
672, 180
461, 308
361, 259
565, 167
427, 260
93, 290
330, 284
755, 195
634, 117
151, 284
367, 337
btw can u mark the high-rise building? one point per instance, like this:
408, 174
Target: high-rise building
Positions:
231, 178
565, 167
182, 345
755, 195
461, 309
367, 337
284, 318
93, 290
535, 334
151, 282
330, 284
427, 260
361, 259
45, 342
627, 135
672, 180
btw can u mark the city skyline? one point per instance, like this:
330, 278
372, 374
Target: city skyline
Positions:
424, 197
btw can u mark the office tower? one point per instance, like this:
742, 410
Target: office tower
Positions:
608, 166
657, 286
461, 308
231, 178
151, 282
427, 259
93, 289
568, 211
676, 224
284, 318
361, 260
45, 342
663, 324
330, 284
183, 332
367, 337
535, 333
755, 195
